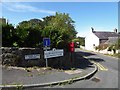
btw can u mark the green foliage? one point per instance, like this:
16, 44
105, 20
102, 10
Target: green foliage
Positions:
15, 44
59, 28
117, 55
115, 46
29, 33
101, 47
33, 39
110, 48
81, 41
7, 34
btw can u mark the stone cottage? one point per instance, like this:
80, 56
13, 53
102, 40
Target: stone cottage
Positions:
95, 38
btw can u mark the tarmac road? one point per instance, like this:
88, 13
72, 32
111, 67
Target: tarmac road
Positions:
107, 75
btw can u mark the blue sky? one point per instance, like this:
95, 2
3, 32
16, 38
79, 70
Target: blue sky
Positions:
100, 15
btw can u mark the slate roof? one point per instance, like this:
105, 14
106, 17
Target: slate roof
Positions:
105, 35
111, 40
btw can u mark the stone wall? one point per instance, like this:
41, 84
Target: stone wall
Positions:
105, 51
16, 57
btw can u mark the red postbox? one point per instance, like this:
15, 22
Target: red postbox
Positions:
71, 46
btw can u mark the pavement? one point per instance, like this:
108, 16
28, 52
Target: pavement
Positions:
13, 77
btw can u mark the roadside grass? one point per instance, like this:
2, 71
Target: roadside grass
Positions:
117, 55
30, 75
66, 82
114, 55
86, 50
28, 69
69, 81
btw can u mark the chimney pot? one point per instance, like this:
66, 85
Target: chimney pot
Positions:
115, 30
92, 29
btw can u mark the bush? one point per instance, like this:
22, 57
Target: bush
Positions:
110, 48
101, 47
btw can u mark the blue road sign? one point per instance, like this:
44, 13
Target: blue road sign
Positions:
46, 41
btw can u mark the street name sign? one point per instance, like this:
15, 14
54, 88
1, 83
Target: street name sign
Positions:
32, 56
53, 53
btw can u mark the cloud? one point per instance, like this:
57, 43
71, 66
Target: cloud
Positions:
20, 7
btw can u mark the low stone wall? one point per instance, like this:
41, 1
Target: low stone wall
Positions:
107, 52
16, 57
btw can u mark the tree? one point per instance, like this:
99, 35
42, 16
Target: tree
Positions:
60, 29
81, 41
29, 33
7, 34
47, 20
33, 39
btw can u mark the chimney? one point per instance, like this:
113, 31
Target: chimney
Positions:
115, 30
7, 21
92, 29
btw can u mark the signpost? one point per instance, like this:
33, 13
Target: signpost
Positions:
46, 43
50, 53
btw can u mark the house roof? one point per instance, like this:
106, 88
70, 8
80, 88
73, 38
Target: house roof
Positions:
111, 40
105, 35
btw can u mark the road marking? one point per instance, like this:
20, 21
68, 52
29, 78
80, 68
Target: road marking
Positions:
101, 67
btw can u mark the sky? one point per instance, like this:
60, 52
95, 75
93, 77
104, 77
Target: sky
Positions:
102, 16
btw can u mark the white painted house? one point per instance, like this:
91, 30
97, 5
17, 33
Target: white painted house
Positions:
96, 38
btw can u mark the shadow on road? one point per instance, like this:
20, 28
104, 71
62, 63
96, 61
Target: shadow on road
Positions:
78, 61
96, 59
87, 54
84, 53
81, 62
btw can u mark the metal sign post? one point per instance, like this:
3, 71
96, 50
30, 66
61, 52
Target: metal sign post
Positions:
46, 42
46, 58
